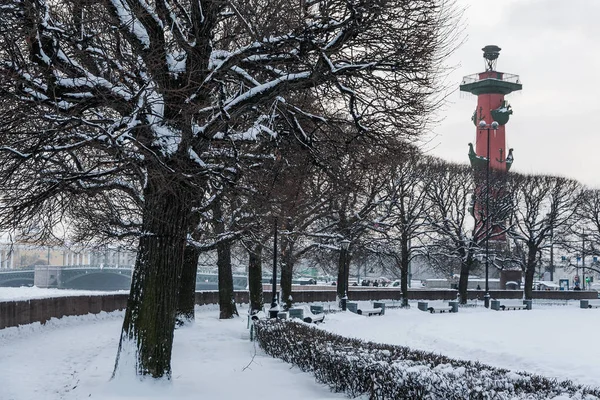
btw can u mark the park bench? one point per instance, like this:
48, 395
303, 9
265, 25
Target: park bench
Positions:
452, 307
496, 305
378, 309
589, 304
314, 318
315, 309
306, 314
370, 311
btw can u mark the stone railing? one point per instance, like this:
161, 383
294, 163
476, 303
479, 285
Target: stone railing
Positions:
14, 313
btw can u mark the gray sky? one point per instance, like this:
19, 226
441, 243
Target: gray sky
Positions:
554, 45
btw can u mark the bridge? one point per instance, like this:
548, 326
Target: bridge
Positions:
88, 277
17, 277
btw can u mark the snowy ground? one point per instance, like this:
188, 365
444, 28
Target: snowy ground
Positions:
27, 293
72, 358
554, 341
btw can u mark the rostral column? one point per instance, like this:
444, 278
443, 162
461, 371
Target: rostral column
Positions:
490, 87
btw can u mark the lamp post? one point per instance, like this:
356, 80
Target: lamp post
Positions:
583, 258
550, 219
552, 253
344, 244
488, 257
494, 126
274, 310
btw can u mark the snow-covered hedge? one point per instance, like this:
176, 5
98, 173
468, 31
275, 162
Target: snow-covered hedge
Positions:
395, 372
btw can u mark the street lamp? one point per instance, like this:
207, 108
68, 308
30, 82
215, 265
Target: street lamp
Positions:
494, 126
492, 258
274, 310
583, 235
552, 253
344, 244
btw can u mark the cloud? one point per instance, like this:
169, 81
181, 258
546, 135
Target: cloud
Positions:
579, 16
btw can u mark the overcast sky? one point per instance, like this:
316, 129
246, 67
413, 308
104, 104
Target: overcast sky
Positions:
554, 45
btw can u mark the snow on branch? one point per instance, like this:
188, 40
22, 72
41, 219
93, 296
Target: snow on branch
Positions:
131, 22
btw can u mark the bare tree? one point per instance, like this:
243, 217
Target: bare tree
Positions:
358, 196
303, 207
456, 236
457, 191
544, 207
588, 214
585, 230
402, 220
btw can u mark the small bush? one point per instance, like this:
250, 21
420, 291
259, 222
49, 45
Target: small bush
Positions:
385, 371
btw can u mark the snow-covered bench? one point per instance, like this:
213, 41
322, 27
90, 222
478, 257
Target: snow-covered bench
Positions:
377, 309
452, 307
306, 314
370, 311
496, 305
589, 304
316, 309
314, 318
506, 307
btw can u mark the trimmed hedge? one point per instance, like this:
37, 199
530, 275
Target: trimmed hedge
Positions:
390, 372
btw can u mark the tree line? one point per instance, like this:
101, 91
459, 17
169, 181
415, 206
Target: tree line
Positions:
181, 126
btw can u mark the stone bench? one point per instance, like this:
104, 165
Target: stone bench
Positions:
496, 305
378, 309
316, 309
452, 307
589, 304
352, 307
306, 314
504, 307
369, 312
314, 318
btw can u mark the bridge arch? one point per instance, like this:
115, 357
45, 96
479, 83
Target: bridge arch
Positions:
96, 279
16, 278
17, 282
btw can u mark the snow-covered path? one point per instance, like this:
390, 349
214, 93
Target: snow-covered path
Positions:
48, 362
73, 358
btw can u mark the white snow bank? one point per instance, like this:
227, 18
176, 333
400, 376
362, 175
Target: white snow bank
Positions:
27, 293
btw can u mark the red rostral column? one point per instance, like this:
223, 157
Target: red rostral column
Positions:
490, 119
490, 87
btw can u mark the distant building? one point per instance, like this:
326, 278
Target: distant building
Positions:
20, 255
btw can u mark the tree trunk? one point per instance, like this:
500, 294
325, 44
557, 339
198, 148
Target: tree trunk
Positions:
341, 289
463, 282
255, 285
187, 286
147, 335
287, 266
529, 272
226, 294
404, 261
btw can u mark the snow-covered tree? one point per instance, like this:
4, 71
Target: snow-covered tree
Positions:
587, 228
462, 229
156, 98
303, 205
455, 233
402, 219
544, 209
